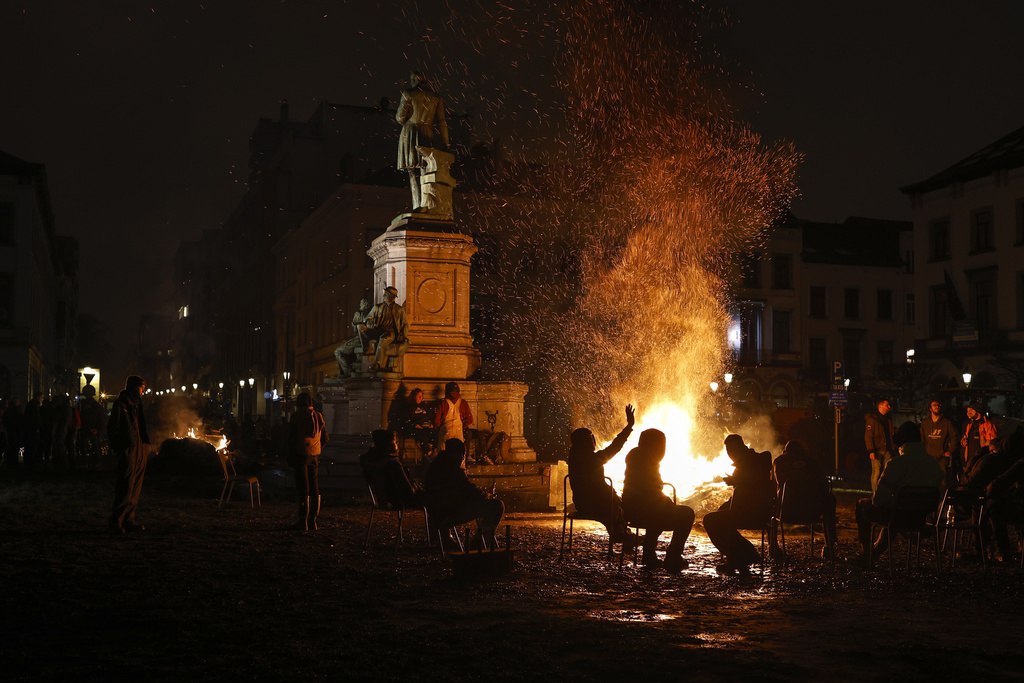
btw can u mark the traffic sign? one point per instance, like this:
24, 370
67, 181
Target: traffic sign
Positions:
838, 398
837, 372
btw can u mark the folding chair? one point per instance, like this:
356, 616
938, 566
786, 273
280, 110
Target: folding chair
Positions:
379, 503
571, 514
231, 477
909, 516
766, 526
962, 510
785, 514
638, 527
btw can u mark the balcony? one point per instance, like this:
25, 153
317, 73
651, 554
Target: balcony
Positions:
749, 357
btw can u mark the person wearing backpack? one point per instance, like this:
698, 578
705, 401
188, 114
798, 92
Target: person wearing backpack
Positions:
307, 439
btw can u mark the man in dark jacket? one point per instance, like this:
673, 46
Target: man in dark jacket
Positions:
591, 494
307, 438
452, 498
878, 439
386, 474
126, 433
748, 508
939, 435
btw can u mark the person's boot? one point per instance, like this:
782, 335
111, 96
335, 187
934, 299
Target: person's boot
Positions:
300, 523
314, 510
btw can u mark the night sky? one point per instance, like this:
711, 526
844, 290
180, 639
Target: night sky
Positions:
141, 111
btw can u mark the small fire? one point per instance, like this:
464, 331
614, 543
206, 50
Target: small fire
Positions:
223, 443
686, 470
192, 433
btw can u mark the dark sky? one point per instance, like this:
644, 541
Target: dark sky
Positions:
141, 111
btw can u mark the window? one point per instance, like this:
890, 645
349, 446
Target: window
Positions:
885, 304
938, 320
750, 270
910, 315
851, 356
909, 261
6, 223
851, 303
781, 331
981, 231
781, 395
818, 302
782, 271
817, 352
981, 285
884, 358
939, 240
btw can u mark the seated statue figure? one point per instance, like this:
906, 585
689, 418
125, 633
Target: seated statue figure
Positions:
387, 326
346, 353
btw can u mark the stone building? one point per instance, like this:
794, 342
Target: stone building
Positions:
38, 287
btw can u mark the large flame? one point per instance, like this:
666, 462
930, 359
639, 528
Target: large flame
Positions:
683, 467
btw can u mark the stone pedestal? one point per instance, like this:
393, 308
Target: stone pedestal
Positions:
430, 269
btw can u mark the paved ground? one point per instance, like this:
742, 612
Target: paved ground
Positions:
232, 594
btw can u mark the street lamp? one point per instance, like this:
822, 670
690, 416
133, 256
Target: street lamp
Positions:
728, 378
714, 386
967, 378
195, 385
846, 383
910, 355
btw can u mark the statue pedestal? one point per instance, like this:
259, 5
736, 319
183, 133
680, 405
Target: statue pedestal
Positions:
430, 268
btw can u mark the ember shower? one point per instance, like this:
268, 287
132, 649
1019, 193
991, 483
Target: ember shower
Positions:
661, 187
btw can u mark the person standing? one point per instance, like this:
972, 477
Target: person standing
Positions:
978, 434
92, 420
453, 416
127, 435
878, 439
939, 436
12, 425
31, 423
308, 436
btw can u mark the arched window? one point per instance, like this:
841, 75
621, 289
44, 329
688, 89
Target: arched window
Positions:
781, 395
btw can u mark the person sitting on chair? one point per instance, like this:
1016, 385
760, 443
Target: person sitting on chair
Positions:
452, 498
645, 503
410, 418
593, 497
386, 474
748, 508
807, 491
912, 466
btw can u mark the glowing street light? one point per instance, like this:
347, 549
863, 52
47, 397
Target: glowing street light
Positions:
728, 378
846, 383
967, 378
195, 385
714, 386
251, 381
241, 383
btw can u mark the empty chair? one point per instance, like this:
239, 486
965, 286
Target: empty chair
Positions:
811, 510
962, 511
231, 477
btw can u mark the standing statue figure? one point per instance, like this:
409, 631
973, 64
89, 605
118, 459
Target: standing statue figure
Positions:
419, 111
387, 325
346, 353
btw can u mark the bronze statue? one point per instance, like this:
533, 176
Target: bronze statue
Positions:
347, 351
387, 324
420, 111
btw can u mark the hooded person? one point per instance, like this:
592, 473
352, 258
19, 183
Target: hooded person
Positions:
591, 494
645, 503
385, 472
451, 498
127, 436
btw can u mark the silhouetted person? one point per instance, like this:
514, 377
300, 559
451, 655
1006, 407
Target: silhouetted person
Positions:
126, 432
92, 421
591, 494
30, 427
912, 466
978, 433
645, 503
61, 418
13, 425
748, 508
385, 472
307, 437
807, 491
411, 419
453, 499
939, 435
1004, 497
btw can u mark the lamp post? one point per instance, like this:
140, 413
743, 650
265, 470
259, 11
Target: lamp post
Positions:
287, 392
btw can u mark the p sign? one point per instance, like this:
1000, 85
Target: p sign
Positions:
837, 372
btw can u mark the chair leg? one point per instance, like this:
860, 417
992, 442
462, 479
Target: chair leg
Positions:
252, 503
259, 501
401, 514
561, 545
369, 526
222, 492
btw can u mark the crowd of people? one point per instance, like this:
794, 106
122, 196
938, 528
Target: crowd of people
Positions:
50, 433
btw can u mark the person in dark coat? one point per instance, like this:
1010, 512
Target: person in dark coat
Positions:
645, 503
12, 425
410, 418
92, 420
451, 498
748, 508
591, 494
808, 494
878, 439
307, 436
30, 431
385, 472
126, 433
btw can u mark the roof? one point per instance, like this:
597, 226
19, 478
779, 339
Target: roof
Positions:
857, 241
1004, 153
